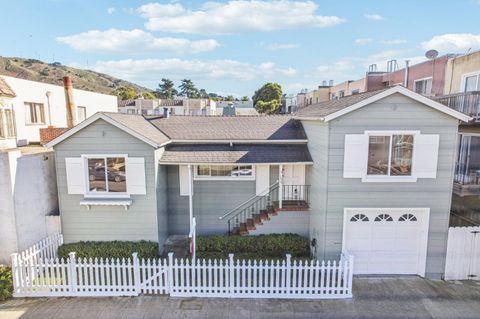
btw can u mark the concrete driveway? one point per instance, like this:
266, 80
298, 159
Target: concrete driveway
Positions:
374, 298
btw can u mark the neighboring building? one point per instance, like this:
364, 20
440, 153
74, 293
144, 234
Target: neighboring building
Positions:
38, 105
178, 106
236, 108
302, 99
370, 173
289, 104
7, 116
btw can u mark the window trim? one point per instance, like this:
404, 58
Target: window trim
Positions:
423, 79
389, 178
463, 80
223, 178
88, 193
42, 115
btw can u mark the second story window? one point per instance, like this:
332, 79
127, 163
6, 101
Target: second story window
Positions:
423, 86
472, 83
390, 155
7, 124
34, 113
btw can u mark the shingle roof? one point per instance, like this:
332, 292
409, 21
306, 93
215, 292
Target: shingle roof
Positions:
328, 107
5, 89
238, 153
140, 125
274, 127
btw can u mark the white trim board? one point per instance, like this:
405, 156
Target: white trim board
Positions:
396, 89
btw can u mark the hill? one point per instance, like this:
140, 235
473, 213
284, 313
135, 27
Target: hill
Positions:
53, 73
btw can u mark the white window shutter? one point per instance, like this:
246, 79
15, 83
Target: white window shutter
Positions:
76, 176
355, 156
183, 179
262, 179
135, 174
425, 155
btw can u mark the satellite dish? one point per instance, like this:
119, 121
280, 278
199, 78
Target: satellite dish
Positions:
431, 54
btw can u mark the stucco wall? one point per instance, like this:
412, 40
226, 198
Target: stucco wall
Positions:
458, 67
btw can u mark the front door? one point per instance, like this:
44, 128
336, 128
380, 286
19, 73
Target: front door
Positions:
293, 179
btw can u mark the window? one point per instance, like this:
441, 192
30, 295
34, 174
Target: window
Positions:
106, 175
356, 91
472, 83
341, 94
34, 113
7, 124
224, 171
390, 155
423, 86
384, 217
81, 113
359, 218
407, 217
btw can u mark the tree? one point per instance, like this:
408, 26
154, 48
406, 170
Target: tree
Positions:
126, 93
203, 94
166, 89
245, 98
268, 98
148, 95
188, 89
230, 98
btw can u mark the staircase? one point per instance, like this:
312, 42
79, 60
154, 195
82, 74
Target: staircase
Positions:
259, 209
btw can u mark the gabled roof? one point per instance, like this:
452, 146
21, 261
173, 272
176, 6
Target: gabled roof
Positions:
329, 110
5, 89
231, 128
135, 125
237, 153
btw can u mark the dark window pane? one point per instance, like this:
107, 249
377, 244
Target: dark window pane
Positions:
203, 170
116, 175
402, 150
378, 151
96, 175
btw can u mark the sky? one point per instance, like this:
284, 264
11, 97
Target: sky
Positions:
233, 47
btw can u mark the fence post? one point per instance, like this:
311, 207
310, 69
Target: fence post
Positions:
72, 271
136, 273
16, 279
288, 274
231, 275
350, 274
170, 272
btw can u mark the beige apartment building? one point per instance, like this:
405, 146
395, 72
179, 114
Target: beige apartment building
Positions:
463, 74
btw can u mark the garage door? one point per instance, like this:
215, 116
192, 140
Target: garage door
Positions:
387, 241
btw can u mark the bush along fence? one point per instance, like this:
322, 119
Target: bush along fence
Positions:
72, 276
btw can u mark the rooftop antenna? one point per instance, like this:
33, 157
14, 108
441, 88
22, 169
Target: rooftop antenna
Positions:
431, 54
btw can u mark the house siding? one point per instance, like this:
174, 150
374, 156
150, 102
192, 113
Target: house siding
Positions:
395, 112
106, 223
211, 199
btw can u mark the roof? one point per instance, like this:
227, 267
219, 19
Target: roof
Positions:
330, 110
5, 89
238, 153
136, 125
196, 128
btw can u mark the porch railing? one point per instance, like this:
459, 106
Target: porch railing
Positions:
466, 102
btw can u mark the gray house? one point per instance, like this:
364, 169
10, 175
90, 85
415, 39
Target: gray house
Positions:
370, 174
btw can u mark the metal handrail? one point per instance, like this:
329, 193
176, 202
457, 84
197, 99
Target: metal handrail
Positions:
266, 190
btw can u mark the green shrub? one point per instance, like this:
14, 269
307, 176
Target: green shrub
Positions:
110, 249
268, 246
6, 282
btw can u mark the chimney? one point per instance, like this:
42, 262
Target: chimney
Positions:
330, 83
405, 80
324, 83
166, 113
70, 103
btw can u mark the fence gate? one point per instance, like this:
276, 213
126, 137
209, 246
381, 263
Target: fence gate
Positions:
463, 253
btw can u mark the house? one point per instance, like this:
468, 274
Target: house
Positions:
236, 108
371, 174
28, 106
177, 106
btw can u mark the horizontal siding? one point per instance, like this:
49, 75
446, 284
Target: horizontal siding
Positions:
393, 113
139, 222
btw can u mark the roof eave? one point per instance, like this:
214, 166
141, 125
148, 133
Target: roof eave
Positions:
234, 163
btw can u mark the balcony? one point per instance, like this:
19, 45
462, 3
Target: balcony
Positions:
466, 102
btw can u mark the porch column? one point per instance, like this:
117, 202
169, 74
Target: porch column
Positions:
190, 196
280, 186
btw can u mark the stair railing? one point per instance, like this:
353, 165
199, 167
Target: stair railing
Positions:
252, 206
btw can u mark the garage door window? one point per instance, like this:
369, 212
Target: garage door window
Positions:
384, 217
407, 217
359, 218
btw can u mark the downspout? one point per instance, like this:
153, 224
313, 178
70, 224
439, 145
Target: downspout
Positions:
405, 80
190, 196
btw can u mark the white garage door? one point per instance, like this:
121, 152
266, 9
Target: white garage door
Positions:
387, 241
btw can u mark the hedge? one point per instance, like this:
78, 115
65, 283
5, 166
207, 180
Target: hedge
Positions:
110, 249
6, 282
268, 246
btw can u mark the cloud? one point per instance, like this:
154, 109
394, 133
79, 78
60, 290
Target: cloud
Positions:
394, 41
235, 17
363, 41
375, 17
111, 10
146, 70
279, 46
453, 42
133, 41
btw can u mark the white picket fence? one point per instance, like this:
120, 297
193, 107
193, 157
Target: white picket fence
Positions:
51, 276
463, 253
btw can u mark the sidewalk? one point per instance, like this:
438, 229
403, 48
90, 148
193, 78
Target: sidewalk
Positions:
373, 298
